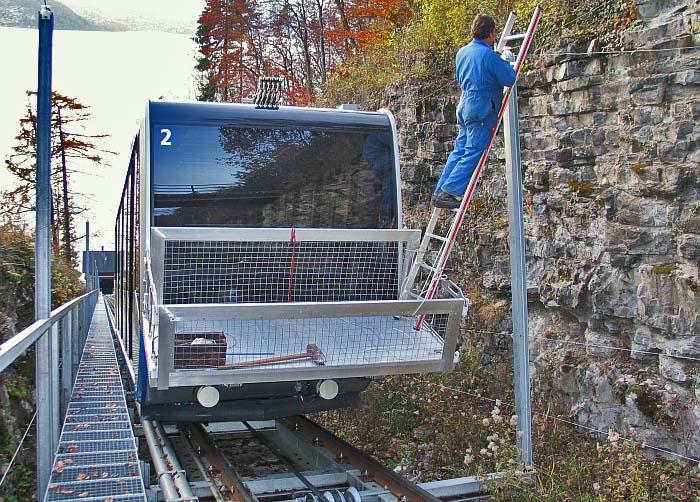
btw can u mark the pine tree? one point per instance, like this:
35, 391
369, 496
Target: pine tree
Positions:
69, 142
229, 42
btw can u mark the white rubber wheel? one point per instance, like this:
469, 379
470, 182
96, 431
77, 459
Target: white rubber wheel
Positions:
208, 396
327, 389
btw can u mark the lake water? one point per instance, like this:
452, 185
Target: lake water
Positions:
113, 73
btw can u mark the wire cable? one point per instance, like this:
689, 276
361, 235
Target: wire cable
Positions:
637, 351
19, 446
547, 416
619, 51
596, 345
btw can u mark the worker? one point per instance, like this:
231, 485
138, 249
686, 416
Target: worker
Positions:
482, 74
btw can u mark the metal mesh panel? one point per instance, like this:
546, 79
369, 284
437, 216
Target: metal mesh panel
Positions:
266, 272
312, 342
82, 423
100, 458
96, 457
438, 323
96, 434
100, 416
85, 489
71, 472
101, 445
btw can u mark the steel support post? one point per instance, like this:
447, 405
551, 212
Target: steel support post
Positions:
75, 345
42, 282
56, 419
81, 334
516, 228
67, 361
86, 323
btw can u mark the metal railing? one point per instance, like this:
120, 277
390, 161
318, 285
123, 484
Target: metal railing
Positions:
66, 328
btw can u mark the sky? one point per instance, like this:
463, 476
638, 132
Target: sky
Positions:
174, 11
114, 73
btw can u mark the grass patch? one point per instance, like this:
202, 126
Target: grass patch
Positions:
639, 167
581, 188
437, 427
664, 269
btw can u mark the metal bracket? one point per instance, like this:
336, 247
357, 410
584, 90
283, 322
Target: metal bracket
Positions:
269, 93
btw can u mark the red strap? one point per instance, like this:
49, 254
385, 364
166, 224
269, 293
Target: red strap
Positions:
293, 242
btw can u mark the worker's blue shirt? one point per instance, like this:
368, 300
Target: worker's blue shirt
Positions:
482, 75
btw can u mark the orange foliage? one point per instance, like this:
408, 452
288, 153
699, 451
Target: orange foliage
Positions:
301, 40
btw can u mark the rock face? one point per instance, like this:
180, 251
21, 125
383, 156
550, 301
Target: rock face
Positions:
612, 188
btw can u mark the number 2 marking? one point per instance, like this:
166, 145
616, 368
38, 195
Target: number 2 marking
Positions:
166, 137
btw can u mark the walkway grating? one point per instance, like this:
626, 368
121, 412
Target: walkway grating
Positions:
96, 457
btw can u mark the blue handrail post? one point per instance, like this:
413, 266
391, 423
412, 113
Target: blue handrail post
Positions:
47, 349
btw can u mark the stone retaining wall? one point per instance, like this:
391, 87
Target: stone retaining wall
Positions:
612, 187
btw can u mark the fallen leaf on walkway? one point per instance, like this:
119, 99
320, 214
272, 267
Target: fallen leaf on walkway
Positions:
61, 490
60, 465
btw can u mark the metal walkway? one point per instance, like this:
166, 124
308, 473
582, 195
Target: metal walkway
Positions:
96, 457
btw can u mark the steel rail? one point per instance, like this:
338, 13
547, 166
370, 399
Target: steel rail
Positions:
398, 485
335, 464
207, 472
285, 460
228, 476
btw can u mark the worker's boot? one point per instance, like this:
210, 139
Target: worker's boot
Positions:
447, 201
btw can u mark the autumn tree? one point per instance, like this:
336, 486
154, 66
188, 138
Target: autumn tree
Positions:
302, 41
230, 46
70, 144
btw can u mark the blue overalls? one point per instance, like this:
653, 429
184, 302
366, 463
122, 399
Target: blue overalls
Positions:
482, 75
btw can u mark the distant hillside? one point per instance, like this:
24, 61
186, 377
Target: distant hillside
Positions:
131, 20
23, 14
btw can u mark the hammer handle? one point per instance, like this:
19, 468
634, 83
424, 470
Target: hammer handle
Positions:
266, 360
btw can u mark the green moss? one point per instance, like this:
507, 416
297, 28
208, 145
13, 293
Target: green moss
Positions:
666, 268
19, 390
692, 285
639, 167
581, 188
651, 403
619, 394
648, 400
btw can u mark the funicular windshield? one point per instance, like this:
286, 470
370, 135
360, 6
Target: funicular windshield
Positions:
286, 175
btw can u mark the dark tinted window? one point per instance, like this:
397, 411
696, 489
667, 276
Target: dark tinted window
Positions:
257, 177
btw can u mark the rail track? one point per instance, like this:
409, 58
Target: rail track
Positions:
287, 460
291, 459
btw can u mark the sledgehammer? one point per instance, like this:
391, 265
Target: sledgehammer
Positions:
312, 352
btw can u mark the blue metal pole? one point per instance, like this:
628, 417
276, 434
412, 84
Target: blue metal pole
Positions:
45, 353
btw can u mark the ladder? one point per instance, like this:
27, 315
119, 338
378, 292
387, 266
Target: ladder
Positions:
435, 269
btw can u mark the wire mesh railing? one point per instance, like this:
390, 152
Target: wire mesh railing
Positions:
249, 343
258, 305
